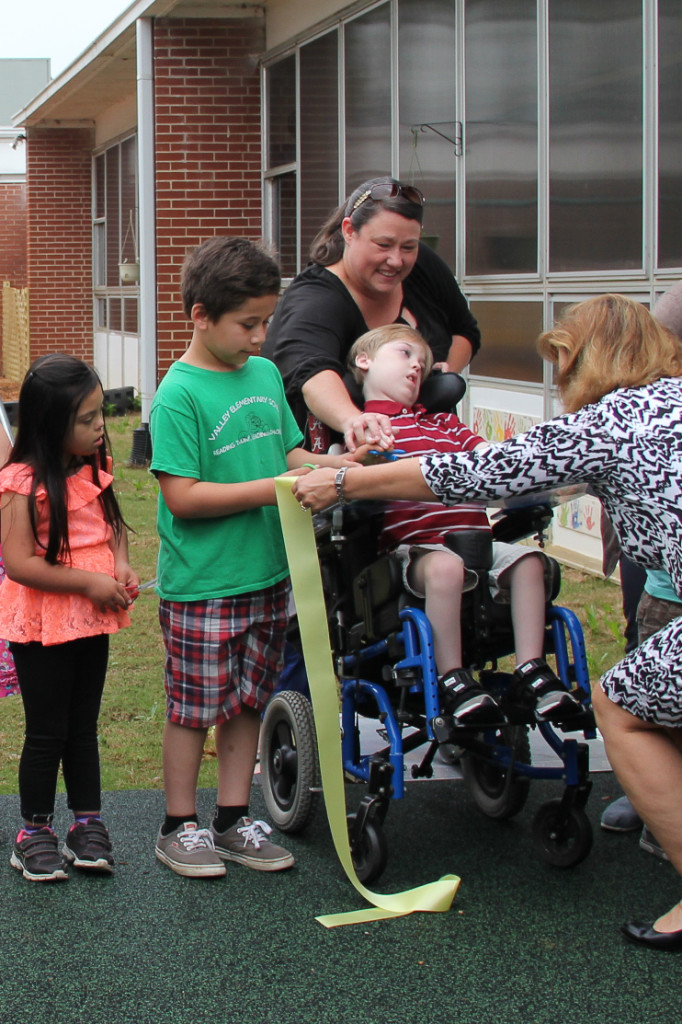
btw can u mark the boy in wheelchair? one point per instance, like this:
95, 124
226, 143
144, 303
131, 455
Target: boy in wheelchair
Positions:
433, 543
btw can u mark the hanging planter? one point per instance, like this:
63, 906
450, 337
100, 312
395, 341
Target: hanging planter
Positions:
129, 272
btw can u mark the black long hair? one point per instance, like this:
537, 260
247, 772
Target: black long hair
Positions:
50, 396
328, 245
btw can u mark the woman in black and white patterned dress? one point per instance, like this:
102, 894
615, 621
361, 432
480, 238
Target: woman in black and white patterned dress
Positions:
620, 377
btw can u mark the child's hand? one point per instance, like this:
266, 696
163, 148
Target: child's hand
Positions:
300, 471
370, 455
373, 429
128, 578
107, 593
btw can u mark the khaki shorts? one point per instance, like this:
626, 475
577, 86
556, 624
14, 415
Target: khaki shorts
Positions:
504, 557
653, 613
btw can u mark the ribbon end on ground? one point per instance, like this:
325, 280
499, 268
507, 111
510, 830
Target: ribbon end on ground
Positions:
439, 897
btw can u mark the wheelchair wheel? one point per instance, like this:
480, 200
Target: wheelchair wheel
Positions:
494, 793
290, 770
370, 851
562, 845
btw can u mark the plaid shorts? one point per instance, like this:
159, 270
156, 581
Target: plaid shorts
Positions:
222, 654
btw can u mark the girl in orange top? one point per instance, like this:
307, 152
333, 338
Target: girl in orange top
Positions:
9, 684
68, 587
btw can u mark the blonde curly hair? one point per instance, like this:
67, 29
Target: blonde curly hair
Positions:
606, 343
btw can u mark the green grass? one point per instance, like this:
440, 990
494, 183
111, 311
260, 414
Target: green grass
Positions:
133, 708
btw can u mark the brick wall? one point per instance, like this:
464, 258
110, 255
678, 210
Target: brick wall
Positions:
208, 151
59, 204
13, 234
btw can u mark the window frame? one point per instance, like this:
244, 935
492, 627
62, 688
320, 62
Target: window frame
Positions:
104, 295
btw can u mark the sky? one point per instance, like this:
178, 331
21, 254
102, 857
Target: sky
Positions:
60, 31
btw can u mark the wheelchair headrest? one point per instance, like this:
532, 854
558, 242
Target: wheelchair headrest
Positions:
440, 392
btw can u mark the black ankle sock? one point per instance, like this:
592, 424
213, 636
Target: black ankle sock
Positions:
226, 817
171, 823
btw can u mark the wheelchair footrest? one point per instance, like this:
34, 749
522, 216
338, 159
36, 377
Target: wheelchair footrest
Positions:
584, 722
446, 730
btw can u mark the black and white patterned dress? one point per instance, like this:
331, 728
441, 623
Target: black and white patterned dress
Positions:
628, 448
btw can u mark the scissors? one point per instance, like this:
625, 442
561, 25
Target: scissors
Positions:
388, 456
144, 586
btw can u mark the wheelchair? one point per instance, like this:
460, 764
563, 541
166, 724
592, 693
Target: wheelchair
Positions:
382, 646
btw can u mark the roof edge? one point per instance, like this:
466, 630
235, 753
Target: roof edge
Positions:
106, 41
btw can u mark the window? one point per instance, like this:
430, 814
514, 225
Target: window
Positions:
596, 124
669, 134
428, 132
531, 126
281, 161
115, 237
501, 137
510, 330
368, 96
319, 70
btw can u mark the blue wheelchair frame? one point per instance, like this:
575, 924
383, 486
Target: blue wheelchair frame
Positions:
384, 657
417, 638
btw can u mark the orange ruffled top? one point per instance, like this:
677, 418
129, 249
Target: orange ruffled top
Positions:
28, 615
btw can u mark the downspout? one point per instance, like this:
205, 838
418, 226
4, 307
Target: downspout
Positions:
141, 453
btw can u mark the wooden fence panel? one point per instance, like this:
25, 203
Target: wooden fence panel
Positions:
16, 348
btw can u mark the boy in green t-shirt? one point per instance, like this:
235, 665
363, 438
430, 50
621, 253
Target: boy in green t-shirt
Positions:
221, 431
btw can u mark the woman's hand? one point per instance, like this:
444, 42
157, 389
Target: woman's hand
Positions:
370, 428
107, 593
400, 480
317, 490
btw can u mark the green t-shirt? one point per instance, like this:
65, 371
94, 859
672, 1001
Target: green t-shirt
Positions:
223, 427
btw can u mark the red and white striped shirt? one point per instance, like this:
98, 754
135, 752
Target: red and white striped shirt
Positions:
424, 433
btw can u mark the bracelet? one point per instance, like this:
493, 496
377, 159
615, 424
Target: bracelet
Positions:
338, 483
309, 465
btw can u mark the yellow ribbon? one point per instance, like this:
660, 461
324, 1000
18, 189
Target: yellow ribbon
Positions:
299, 539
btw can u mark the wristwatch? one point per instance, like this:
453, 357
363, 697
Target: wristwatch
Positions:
338, 483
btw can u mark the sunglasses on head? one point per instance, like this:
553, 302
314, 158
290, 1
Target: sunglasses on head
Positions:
389, 190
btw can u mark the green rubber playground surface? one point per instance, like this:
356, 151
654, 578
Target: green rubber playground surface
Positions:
524, 943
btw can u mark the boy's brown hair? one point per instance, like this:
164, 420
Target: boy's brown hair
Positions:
370, 342
223, 273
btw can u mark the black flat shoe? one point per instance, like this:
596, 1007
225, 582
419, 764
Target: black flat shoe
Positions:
643, 933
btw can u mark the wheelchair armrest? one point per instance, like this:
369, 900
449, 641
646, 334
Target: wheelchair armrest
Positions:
516, 523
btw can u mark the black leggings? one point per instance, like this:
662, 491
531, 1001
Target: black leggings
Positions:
61, 687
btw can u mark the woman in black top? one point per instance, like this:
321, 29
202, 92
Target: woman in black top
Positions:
369, 269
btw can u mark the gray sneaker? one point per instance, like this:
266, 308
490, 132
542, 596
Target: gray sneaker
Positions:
649, 843
247, 843
620, 816
189, 851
